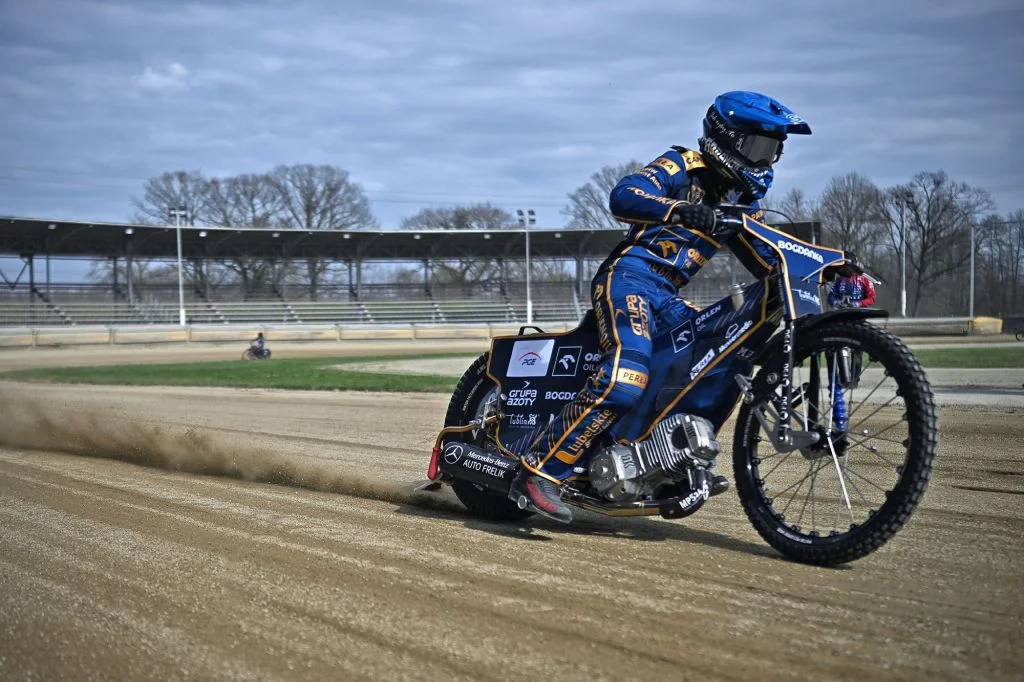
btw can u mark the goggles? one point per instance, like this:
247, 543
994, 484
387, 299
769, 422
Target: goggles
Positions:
759, 150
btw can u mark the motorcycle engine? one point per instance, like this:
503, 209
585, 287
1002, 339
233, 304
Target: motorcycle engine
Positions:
626, 473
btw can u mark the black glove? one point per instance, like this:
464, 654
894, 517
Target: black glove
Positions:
695, 216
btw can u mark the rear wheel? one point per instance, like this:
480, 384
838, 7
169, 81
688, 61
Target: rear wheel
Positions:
848, 494
469, 401
1020, 335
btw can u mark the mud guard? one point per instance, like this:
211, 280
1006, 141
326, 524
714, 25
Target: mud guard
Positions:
773, 347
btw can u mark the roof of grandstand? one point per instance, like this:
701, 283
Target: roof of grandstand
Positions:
75, 239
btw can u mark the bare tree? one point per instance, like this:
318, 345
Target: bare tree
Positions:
848, 211
794, 204
938, 213
248, 201
588, 204
472, 217
1000, 265
320, 198
188, 189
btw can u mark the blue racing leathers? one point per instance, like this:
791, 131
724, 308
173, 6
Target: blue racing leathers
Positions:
635, 293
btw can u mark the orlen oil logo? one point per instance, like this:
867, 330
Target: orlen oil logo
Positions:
530, 358
800, 249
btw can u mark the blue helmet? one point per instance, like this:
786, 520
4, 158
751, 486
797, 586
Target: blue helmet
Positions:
743, 136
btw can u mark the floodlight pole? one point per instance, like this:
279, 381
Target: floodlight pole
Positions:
970, 305
525, 220
178, 213
903, 257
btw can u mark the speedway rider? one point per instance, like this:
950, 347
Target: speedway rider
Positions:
258, 345
674, 231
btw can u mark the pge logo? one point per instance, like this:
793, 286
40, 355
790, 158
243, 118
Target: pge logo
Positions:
567, 361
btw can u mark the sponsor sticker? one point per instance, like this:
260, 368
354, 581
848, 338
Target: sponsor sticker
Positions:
530, 358
522, 397
665, 245
808, 296
787, 245
668, 164
733, 333
453, 453
707, 314
682, 336
631, 377
523, 420
702, 363
567, 361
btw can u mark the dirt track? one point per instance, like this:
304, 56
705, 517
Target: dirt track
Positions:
117, 571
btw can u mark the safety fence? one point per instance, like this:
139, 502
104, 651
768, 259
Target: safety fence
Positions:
55, 336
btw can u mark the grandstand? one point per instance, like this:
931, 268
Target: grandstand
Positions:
27, 302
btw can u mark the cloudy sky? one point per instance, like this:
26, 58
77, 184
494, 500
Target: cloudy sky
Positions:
441, 102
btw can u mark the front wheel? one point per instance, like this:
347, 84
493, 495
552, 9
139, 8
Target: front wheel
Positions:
469, 401
863, 391
1020, 335
248, 354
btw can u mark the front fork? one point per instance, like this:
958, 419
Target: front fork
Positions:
777, 424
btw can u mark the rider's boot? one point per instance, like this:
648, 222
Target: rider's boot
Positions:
538, 494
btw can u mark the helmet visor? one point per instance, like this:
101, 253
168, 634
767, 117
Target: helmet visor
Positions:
760, 150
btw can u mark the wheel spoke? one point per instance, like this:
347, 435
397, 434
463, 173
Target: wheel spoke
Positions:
868, 481
853, 484
879, 409
810, 497
868, 396
839, 473
779, 463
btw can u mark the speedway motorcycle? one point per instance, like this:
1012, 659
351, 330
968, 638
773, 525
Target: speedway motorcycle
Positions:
835, 436
256, 353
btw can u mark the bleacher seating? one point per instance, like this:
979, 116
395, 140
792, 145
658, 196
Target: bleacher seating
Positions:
376, 304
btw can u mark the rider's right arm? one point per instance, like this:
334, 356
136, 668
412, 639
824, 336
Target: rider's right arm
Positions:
644, 195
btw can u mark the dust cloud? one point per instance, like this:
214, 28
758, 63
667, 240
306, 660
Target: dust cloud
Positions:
31, 425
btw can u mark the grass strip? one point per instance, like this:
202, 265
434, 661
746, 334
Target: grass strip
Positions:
1010, 357
321, 374
317, 373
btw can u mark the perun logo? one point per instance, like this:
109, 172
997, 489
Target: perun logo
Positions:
682, 336
530, 358
744, 353
567, 361
800, 249
702, 363
731, 331
453, 453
